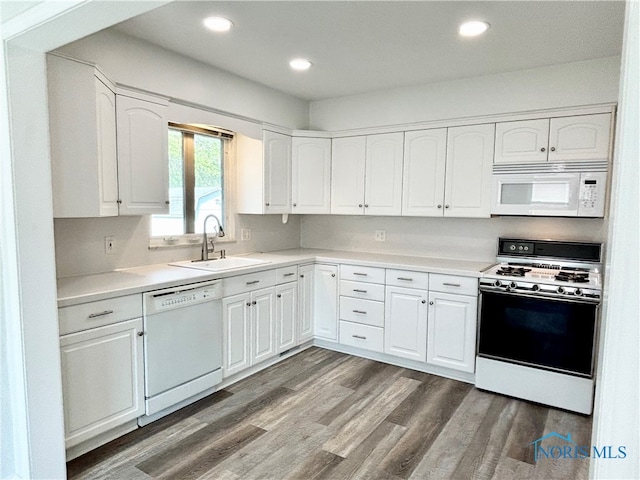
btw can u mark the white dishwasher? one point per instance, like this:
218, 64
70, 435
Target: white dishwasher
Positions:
182, 345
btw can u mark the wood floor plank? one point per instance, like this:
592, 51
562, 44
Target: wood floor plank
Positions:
509, 469
455, 439
528, 425
357, 429
315, 466
426, 413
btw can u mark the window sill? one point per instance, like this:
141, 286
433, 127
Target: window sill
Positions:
182, 241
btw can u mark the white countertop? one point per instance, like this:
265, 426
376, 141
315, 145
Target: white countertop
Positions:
99, 286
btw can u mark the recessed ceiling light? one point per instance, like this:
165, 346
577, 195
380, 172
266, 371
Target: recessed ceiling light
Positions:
472, 29
300, 64
218, 24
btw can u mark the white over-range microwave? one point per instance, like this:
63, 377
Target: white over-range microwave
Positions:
558, 194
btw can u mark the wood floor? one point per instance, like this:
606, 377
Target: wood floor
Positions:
326, 415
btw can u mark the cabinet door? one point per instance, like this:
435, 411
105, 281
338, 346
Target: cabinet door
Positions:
325, 301
348, 157
452, 331
106, 148
425, 153
102, 379
311, 175
263, 325
236, 346
583, 137
383, 174
468, 176
286, 313
305, 304
277, 172
522, 142
142, 156
405, 323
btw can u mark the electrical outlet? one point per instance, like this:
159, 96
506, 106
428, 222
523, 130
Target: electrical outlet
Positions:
109, 245
245, 234
381, 236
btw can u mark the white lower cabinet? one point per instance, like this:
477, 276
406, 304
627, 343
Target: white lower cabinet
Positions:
325, 301
451, 339
249, 329
305, 303
102, 379
405, 323
286, 313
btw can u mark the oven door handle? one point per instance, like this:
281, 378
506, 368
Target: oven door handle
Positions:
542, 296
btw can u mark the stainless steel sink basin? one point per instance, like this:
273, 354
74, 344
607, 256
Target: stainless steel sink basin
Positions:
221, 264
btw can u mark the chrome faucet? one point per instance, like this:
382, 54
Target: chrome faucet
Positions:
205, 242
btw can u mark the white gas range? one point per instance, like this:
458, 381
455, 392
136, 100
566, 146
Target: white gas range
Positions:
539, 311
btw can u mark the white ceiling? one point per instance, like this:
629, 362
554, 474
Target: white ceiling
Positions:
363, 46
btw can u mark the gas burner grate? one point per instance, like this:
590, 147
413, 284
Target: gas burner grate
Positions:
574, 277
512, 271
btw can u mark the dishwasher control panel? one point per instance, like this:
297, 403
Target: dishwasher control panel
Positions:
183, 296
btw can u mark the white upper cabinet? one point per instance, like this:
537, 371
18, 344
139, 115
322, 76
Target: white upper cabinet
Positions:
383, 174
277, 172
561, 139
468, 176
425, 154
584, 137
523, 141
348, 157
367, 175
142, 125
82, 110
311, 175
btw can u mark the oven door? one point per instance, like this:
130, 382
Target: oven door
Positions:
538, 332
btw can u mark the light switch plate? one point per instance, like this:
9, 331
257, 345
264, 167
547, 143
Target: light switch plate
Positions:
109, 245
245, 234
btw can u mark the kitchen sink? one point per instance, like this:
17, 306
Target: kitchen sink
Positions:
221, 264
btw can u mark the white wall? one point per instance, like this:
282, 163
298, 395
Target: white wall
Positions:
80, 242
461, 238
130, 61
572, 84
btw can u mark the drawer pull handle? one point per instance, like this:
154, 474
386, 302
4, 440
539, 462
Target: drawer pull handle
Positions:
359, 291
253, 282
361, 337
406, 279
289, 274
360, 312
360, 274
101, 314
451, 284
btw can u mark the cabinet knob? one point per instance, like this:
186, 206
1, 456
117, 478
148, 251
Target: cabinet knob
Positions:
446, 206
543, 149
267, 204
166, 202
553, 149
279, 295
118, 201
301, 275
253, 303
140, 333
424, 301
439, 206
295, 204
248, 304
333, 274
430, 303
366, 205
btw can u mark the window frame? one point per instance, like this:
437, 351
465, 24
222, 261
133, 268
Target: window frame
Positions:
228, 191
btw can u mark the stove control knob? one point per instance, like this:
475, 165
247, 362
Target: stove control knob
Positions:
535, 288
513, 285
560, 290
498, 283
578, 292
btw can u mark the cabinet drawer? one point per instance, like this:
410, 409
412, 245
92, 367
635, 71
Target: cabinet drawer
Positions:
362, 311
77, 318
286, 274
362, 336
248, 282
368, 291
362, 274
408, 278
454, 284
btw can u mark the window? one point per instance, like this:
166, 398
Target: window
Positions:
196, 181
